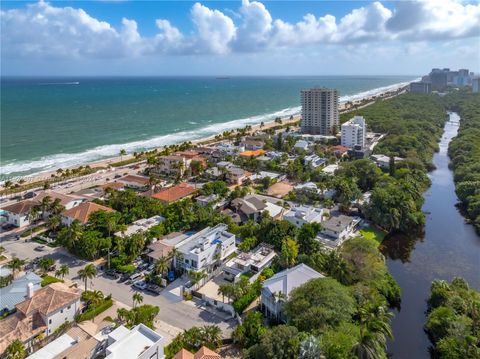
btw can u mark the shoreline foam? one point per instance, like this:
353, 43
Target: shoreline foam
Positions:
105, 154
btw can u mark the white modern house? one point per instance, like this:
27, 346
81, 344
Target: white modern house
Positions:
140, 342
276, 290
384, 161
207, 248
141, 225
354, 132
253, 262
300, 215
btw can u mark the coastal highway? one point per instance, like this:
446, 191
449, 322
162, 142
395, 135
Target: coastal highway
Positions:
78, 183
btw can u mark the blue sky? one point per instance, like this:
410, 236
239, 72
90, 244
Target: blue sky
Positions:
238, 37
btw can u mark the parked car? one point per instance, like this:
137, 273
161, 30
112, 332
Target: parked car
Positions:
39, 248
154, 288
117, 176
8, 227
135, 277
140, 285
29, 195
112, 274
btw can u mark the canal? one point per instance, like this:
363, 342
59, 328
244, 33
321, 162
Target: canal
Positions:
448, 248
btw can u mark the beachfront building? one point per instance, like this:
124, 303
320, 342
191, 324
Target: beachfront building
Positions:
319, 111
41, 313
140, 342
141, 225
172, 165
300, 215
420, 87
207, 248
82, 212
276, 290
253, 262
354, 132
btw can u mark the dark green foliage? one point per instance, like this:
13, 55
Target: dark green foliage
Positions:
464, 151
194, 338
453, 322
95, 310
219, 188
144, 314
280, 342
250, 331
319, 304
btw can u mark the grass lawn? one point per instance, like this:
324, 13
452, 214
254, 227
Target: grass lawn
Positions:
41, 241
373, 233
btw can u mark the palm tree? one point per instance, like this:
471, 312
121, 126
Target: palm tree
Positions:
196, 277
45, 264
122, 153
7, 185
16, 350
278, 297
161, 266
62, 271
72, 234
137, 298
54, 222
45, 204
89, 272
175, 255
374, 331
212, 335
33, 214
56, 207
16, 264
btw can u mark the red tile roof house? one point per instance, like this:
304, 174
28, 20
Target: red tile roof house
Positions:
175, 193
202, 353
43, 311
134, 181
82, 212
17, 213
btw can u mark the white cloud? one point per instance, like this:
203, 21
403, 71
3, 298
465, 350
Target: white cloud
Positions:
44, 30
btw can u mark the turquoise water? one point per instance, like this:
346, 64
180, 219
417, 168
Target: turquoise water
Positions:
47, 123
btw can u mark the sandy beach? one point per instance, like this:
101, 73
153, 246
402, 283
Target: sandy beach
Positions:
346, 106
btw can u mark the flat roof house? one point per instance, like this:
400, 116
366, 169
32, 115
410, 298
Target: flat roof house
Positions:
82, 212
141, 225
175, 193
207, 248
140, 342
276, 290
300, 215
253, 262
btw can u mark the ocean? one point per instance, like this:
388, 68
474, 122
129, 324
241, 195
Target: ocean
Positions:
49, 123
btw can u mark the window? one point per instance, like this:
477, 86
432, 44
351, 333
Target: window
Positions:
69, 307
49, 321
61, 311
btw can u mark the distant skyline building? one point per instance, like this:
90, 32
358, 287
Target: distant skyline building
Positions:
320, 111
443, 77
421, 87
354, 132
476, 84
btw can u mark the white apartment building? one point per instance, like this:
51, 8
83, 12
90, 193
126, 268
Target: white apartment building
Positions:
207, 247
319, 111
173, 165
354, 132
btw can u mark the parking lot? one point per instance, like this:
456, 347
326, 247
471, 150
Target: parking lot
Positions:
175, 313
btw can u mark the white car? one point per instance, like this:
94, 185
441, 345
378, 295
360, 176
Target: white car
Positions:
140, 285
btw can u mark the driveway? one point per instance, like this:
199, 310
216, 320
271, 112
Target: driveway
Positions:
175, 313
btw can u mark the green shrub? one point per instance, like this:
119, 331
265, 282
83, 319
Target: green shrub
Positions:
48, 279
92, 313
